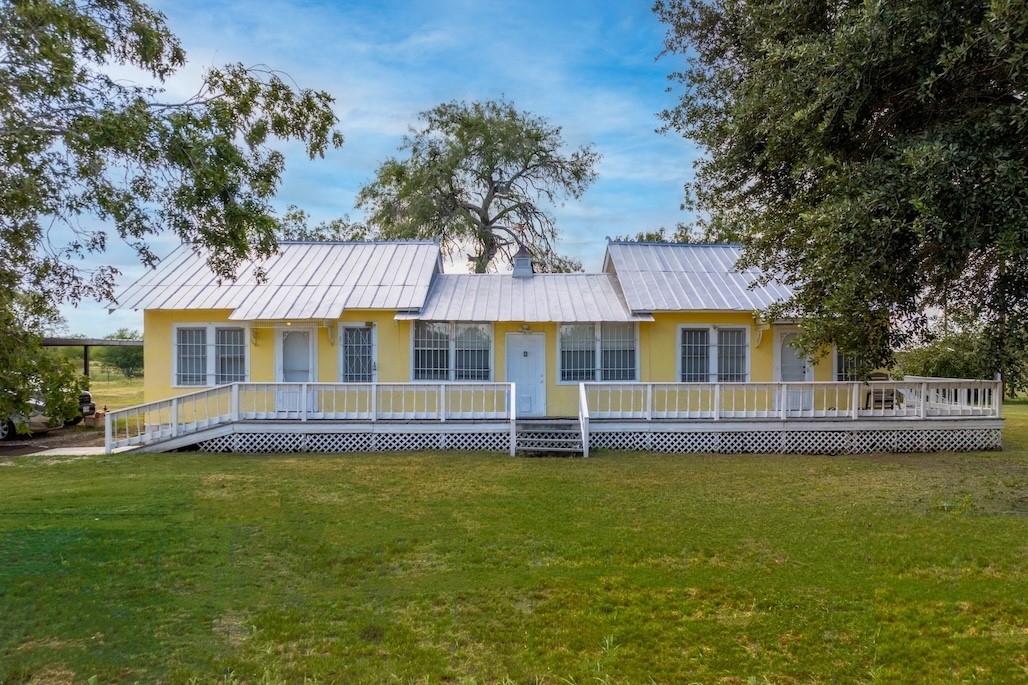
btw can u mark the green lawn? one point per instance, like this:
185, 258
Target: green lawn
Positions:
444, 568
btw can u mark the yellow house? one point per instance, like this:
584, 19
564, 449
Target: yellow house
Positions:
370, 332
385, 312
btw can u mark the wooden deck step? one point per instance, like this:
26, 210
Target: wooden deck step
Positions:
549, 437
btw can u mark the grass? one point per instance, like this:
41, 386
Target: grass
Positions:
111, 388
443, 568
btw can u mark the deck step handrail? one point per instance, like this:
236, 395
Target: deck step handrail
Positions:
890, 399
583, 418
153, 422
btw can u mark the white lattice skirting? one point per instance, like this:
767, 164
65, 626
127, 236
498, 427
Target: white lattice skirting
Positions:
259, 443
802, 442
723, 438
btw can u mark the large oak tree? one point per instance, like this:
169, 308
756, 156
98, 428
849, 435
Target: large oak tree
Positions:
874, 153
87, 157
479, 176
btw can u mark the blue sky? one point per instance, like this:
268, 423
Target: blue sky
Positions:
588, 67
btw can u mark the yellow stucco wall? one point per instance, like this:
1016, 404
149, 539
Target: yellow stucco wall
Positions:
657, 350
658, 343
393, 341
158, 327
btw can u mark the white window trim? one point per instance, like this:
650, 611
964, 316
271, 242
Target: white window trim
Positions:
451, 370
712, 351
374, 348
210, 343
597, 353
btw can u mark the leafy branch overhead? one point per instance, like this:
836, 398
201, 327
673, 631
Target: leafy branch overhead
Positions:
86, 151
87, 157
874, 153
479, 176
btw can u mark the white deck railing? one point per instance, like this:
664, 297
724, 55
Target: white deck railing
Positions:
902, 399
366, 402
907, 399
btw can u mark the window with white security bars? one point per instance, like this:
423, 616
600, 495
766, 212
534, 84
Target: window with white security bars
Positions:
598, 352
472, 350
358, 355
577, 353
845, 367
617, 352
695, 355
452, 352
709, 354
431, 351
230, 355
209, 355
731, 355
191, 356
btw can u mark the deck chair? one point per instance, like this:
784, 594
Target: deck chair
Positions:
880, 398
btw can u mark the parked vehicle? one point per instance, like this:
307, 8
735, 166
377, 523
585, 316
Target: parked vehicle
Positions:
39, 422
86, 408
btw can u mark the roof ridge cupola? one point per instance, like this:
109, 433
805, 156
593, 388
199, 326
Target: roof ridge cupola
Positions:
523, 261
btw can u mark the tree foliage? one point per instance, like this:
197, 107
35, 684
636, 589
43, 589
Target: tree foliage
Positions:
872, 153
477, 176
26, 373
295, 225
682, 233
959, 354
963, 349
127, 359
86, 157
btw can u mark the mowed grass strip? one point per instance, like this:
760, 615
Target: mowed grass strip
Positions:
458, 568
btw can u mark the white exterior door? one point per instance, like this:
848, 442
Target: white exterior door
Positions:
294, 364
792, 367
526, 368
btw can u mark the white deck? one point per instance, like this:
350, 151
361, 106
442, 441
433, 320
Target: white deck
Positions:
909, 416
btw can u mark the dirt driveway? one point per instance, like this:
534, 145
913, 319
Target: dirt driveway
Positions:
75, 436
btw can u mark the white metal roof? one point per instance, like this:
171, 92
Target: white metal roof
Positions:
563, 298
658, 277
304, 280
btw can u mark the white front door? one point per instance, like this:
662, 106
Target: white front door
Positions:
793, 367
526, 368
295, 364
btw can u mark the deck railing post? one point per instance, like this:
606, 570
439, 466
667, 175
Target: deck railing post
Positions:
374, 402
108, 433
783, 403
717, 402
303, 401
922, 409
442, 402
512, 401
855, 401
234, 408
649, 401
174, 417
997, 399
